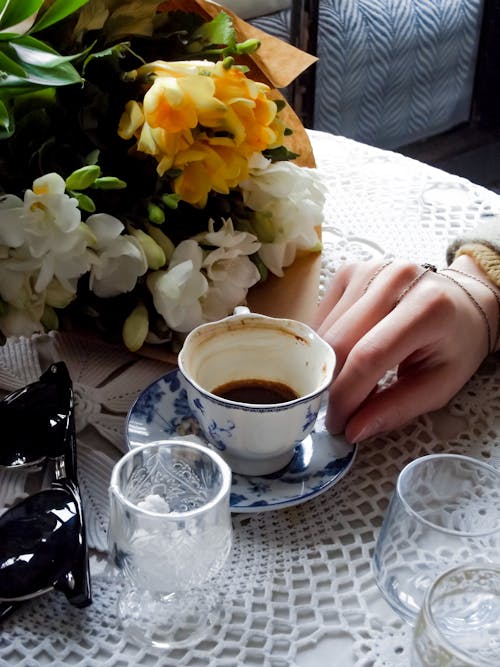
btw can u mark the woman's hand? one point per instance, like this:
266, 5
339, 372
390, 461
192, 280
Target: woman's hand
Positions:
377, 319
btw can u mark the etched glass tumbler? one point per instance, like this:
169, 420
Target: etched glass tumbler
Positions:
459, 623
170, 535
445, 511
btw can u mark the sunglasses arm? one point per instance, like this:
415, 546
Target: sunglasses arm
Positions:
7, 608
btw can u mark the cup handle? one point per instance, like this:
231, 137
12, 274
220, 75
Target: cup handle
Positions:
241, 310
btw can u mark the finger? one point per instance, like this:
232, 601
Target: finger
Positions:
409, 397
352, 278
413, 325
350, 283
332, 296
350, 321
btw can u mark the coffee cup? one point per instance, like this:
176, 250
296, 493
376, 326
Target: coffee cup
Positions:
255, 385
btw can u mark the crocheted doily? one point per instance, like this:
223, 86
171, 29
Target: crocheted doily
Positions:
299, 587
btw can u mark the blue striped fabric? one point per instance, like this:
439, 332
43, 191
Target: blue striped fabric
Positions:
391, 72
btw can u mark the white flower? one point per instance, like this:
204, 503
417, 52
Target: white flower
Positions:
226, 237
177, 291
226, 266
120, 259
221, 299
15, 286
57, 296
43, 242
11, 230
51, 218
20, 323
230, 271
51, 241
292, 199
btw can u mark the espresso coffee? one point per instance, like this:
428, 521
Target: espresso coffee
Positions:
256, 391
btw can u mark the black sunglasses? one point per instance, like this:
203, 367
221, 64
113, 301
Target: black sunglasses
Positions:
42, 538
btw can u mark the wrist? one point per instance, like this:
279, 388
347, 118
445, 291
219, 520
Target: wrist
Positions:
485, 291
485, 257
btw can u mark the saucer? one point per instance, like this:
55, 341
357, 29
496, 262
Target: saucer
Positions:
320, 460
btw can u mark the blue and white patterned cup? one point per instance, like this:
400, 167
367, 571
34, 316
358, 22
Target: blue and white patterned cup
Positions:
260, 353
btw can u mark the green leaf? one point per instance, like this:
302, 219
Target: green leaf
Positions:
38, 78
218, 31
6, 122
16, 11
9, 66
11, 90
13, 85
279, 154
27, 62
117, 52
31, 100
32, 51
8, 36
57, 11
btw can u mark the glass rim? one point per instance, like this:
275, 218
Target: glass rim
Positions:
409, 509
114, 486
455, 651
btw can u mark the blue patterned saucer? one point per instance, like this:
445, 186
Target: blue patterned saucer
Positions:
320, 461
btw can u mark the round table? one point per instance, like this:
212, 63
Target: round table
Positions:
299, 590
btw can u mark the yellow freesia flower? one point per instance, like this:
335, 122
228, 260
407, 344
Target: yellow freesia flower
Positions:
206, 168
131, 120
204, 119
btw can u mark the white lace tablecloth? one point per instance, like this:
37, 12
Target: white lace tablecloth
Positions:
300, 590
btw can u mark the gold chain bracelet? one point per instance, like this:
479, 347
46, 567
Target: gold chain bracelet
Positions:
492, 290
476, 304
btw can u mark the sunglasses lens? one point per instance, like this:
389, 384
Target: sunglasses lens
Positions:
35, 419
39, 542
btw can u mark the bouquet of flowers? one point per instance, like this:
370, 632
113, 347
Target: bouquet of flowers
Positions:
145, 180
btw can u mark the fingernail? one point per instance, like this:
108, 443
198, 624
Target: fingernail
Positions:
333, 426
367, 431
354, 436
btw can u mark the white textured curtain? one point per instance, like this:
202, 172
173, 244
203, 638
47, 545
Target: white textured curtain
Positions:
392, 72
